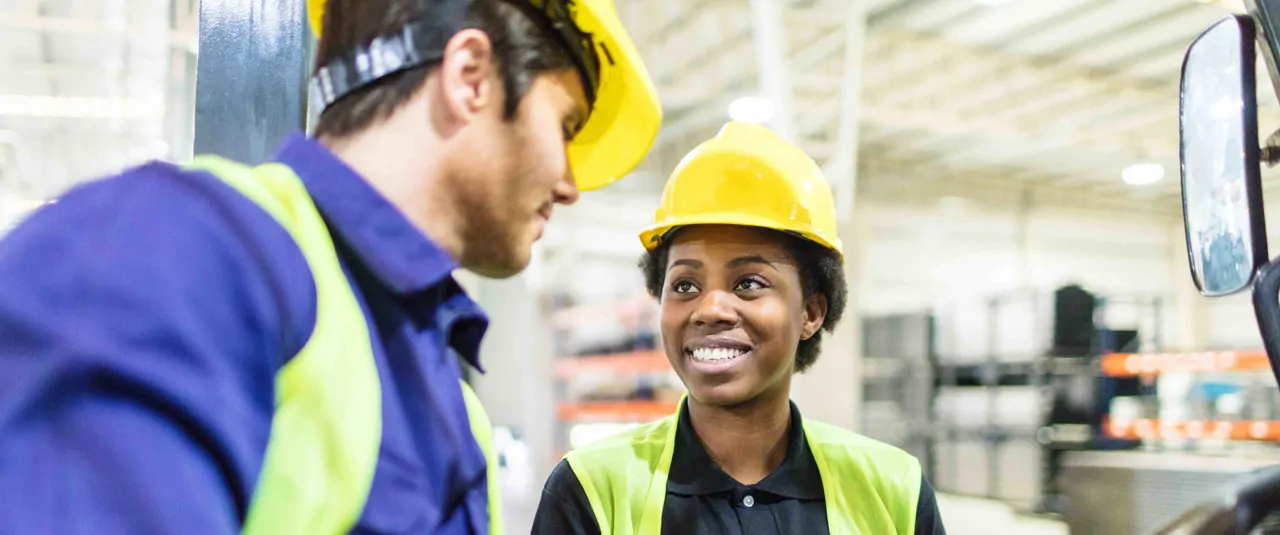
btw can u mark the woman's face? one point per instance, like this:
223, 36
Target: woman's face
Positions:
733, 312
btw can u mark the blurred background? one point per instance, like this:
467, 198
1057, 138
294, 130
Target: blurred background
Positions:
1006, 175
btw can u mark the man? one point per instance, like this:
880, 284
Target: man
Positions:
224, 349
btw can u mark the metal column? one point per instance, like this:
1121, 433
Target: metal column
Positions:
251, 77
838, 374
771, 53
842, 168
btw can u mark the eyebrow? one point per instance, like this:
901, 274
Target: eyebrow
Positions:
744, 260
685, 262
737, 262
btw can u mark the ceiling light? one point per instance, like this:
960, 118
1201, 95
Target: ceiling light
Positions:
753, 110
1142, 174
992, 2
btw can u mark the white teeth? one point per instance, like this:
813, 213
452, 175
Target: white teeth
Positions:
717, 353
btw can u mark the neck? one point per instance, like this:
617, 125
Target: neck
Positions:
413, 180
748, 441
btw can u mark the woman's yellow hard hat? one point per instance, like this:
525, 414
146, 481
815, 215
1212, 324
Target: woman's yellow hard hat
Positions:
747, 175
625, 110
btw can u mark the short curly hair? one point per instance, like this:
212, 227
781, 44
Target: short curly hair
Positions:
821, 272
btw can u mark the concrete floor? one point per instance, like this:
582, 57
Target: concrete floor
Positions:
974, 516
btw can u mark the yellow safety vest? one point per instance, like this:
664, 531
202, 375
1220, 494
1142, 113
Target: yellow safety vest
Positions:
871, 488
327, 426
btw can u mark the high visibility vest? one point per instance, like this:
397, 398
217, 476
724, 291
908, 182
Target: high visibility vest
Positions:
327, 427
871, 488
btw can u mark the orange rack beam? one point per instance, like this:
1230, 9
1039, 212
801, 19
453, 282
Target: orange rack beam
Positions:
616, 411
1131, 364
621, 363
1152, 428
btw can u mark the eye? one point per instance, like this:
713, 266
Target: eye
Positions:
569, 133
683, 287
749, 285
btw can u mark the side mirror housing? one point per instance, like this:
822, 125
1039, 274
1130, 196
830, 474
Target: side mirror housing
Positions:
1220, 159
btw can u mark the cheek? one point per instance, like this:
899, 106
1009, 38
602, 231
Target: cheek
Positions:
775, 323
672, 317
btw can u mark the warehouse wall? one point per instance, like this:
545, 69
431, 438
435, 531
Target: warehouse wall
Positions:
920, 255
914, 256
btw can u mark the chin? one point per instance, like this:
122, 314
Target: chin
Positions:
500, 270
501, 266
722, 395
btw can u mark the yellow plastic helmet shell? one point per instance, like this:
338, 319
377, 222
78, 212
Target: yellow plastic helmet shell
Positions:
626, 114
315, 15
747, 176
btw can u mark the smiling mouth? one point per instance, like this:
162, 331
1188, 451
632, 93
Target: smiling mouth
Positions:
715, 354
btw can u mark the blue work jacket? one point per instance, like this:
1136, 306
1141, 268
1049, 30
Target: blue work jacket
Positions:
143, 318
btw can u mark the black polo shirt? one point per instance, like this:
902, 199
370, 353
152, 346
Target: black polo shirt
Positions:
703, 500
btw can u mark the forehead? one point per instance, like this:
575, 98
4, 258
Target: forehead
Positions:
727, 242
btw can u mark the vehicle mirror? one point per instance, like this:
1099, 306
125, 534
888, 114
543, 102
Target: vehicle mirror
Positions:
1221, 175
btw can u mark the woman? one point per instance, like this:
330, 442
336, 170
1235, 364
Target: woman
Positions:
743, 257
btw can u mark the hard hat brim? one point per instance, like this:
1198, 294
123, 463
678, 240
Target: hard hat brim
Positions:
653, 236
626, 115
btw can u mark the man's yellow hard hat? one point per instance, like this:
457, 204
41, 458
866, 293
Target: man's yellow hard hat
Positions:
747, 176
625, 110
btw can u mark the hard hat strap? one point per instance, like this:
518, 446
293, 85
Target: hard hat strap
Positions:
417, 43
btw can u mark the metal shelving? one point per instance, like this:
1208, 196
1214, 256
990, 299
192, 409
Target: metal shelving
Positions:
1009, 397
897, 376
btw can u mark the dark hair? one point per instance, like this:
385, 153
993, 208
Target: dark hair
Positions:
821, 273
521, 47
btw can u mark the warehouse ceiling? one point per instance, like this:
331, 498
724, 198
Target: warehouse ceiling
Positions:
1014, 97
954, 98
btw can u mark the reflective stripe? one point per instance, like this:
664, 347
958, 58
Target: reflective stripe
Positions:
483, 431
871, 488
327, 426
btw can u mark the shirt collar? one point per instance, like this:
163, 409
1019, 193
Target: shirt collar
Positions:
393, 249
694, 473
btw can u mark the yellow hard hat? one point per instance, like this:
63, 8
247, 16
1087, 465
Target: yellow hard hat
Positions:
625, 110
747, 176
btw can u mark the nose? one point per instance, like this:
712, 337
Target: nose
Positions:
566, 191
715, 307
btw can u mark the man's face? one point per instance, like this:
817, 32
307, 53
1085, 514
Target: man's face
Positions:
515, 171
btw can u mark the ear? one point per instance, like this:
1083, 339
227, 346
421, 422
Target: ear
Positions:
468, 75
815, 312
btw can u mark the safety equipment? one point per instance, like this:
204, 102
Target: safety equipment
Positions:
869, 487
625, 112
747, 175
327, 427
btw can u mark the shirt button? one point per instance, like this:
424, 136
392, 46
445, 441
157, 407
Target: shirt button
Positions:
749, 501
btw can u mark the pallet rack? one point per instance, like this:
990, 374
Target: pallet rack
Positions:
1006, 410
